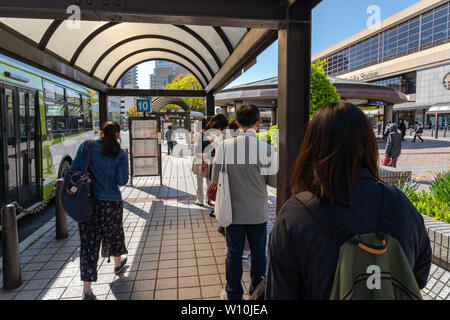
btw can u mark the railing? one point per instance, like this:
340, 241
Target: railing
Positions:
12, 277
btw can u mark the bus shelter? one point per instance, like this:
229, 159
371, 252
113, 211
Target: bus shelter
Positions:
93, 43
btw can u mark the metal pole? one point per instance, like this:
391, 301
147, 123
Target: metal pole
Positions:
437, 126
60, 213
12, 277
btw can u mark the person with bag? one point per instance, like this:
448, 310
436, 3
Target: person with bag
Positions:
418, 130
393, 145
108, 167
242, 161
200, 167
344, 234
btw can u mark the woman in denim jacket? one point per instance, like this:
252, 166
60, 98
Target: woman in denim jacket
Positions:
108, 168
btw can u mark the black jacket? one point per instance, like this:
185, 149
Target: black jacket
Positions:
303, 257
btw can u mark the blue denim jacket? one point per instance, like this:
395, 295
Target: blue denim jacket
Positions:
107, 173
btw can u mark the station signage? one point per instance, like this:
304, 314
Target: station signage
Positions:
144, 105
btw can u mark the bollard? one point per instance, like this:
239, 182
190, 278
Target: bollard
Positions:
60, 213
12, 277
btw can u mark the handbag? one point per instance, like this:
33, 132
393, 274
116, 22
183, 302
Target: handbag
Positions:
76, 198
212, 192
222, 208
387, 161
199, 166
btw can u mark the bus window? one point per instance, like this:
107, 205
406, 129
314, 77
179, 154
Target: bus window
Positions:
56, 116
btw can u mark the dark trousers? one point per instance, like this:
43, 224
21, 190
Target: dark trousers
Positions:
169, 146
403, 135
105, 228
417, 136
235, 235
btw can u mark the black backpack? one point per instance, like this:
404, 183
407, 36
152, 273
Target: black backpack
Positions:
76, 196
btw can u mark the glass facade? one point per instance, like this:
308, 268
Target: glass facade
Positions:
427, 30
405, 83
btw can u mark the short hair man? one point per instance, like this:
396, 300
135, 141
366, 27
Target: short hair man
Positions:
246, 158
169, 133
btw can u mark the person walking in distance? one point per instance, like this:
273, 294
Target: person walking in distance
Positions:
418, 130
402, 128
338, 196
246, 157
394, 144
169, 140
109, 170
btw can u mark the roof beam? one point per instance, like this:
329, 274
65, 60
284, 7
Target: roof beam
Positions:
232, 13
23, 50
155, 93
251, 45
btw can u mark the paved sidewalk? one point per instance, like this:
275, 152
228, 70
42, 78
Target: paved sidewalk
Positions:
175, 250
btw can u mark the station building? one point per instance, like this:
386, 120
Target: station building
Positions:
409, 52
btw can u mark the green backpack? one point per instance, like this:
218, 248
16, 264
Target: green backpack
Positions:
371, 266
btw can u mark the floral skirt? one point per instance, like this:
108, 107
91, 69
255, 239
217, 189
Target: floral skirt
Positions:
105, 228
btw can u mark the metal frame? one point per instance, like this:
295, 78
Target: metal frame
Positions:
159, 156
154, 49
165, 59
155, 93
232, 13
150, 36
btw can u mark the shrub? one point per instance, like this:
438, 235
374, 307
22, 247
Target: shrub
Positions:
440, 187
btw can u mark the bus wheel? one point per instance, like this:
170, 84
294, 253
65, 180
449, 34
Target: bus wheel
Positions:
63, 169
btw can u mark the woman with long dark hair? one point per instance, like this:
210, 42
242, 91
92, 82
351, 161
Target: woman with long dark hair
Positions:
335, 180
108, 168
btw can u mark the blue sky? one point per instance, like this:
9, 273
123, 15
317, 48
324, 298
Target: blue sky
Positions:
332, 22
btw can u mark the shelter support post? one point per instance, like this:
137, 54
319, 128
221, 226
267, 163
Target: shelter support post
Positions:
274, 116
436, 131
294, 83
224, 111
210, 104
103, 108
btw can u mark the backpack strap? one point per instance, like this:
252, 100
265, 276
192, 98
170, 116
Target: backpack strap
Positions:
394, 199
88, 155
335, 228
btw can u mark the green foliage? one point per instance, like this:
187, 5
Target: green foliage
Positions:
188, 82
440, 187
409, 188
322, 90
269, 136
426, 204
132, 112
435, 204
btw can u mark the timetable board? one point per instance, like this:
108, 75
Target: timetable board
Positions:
145, 147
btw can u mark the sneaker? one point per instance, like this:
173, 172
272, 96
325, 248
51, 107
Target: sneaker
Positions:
212, 215
119, 269
245, 254
221, 230
199, 204
224, 295
89, 296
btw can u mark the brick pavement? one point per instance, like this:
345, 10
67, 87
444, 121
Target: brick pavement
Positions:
175, 251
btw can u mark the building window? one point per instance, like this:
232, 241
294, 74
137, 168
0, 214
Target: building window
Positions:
419, 33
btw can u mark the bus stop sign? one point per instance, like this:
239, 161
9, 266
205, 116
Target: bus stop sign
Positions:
144, 105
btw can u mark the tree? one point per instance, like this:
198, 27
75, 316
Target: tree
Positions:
187, 82
322, 90
132, 112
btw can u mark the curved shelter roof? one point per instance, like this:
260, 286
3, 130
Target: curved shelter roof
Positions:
106, 50
265, 92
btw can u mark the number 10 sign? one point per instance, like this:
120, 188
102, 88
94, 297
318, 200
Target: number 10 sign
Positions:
144, 105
